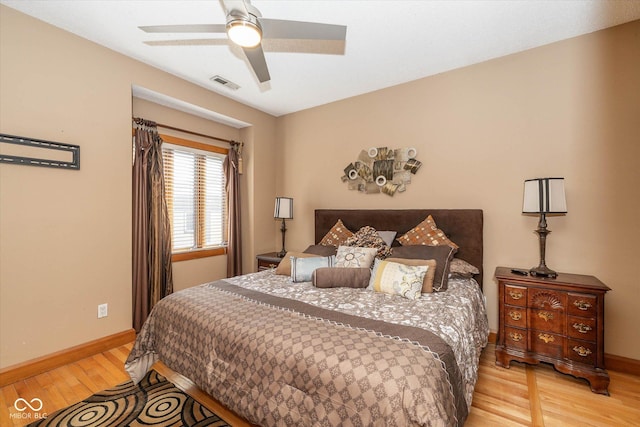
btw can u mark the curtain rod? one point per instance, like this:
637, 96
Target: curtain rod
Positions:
194, 133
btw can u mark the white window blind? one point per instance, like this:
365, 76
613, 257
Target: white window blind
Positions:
195, 192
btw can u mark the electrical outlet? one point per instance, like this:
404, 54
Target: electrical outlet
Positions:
102, 310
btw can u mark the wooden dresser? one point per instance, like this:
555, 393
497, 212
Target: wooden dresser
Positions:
268, 260
559, 321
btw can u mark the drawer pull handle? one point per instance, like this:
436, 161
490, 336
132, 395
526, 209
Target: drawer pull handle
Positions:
546, 338
582, 305
546, 315
515, 315
516, 295
273, 265
516, 336
582, 328
584, 352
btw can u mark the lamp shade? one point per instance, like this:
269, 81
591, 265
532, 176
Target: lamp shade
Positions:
284, 208
544, 195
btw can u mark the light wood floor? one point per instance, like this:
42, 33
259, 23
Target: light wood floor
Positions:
520, 396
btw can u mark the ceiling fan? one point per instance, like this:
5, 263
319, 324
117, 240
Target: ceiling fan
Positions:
248, 29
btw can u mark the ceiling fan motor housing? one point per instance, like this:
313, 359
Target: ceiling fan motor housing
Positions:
244, 29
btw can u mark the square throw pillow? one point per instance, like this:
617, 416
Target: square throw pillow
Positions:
461, 268
398, 279
442, 255
426, 233
350, 256
387, 236
368, 237
302, 268
337, 235
427, 284
338, 277
321, 250
284, 268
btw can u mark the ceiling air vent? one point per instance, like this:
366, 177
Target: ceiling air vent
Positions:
224, 82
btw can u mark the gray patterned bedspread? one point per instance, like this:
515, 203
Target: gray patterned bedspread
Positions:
340, 357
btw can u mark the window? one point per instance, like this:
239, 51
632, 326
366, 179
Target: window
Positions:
195, 192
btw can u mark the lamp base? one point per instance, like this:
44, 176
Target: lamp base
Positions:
283, 228
543, 271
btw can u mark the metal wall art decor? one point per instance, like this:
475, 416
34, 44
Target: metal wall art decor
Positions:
20, 150
382, 170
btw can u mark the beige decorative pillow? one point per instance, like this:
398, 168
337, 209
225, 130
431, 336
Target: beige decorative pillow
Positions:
426, 233
442, 255
284, 268
398, 279
427, 284
337, 235
350, 256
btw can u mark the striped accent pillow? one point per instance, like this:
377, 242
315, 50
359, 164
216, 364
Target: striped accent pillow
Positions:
302, 268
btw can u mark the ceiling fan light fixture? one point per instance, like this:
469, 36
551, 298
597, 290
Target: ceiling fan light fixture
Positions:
245, 32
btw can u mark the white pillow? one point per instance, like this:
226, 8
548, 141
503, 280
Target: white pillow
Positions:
398, 279
352, 256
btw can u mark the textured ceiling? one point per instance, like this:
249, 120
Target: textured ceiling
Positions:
388, 42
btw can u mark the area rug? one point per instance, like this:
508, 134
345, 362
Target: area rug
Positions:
153, 402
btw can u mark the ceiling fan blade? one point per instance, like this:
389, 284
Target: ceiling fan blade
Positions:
186, 28
188, 42
282, 29
326, 47
255, 55
235, 5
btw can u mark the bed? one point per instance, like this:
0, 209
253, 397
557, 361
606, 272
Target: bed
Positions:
281, 354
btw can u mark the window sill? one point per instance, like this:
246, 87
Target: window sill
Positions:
201, 253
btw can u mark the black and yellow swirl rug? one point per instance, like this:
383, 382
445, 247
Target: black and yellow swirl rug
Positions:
153, 402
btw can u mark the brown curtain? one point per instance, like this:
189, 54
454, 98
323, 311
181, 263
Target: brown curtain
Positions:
152, 273
231, 167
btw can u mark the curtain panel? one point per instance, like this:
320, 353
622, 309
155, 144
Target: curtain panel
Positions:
232, 172
152, 270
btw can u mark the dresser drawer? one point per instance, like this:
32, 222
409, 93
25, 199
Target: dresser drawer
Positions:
515, 338
515, 316
547, 320
582, 305
547, 299
547, 344
515, 295
582, 351
581, 328
266, 265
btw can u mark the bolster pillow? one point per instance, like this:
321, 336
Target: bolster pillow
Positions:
341, 277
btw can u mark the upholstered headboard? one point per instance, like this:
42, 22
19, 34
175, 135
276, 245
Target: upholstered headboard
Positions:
462, 226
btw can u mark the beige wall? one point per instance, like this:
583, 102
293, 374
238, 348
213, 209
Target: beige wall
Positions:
569, 109
65, 242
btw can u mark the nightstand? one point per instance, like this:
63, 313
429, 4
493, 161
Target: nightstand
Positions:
558, 321
268, 260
